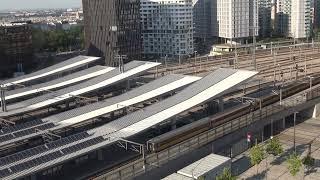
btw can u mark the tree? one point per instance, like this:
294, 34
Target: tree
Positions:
58, 40
294, 164
38, 40
274, 147
257, 154
226, 175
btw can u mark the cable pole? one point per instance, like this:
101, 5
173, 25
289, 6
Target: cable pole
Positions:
120, 59
274, 68
236, 57
294, 131
3, 99
254, 50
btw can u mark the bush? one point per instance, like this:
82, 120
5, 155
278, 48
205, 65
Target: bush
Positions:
226, 175
294, 164
274, 147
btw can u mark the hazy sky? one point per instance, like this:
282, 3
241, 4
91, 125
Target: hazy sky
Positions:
31, 4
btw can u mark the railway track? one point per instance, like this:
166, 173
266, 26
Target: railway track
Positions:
311, 58
259, 54
215, 61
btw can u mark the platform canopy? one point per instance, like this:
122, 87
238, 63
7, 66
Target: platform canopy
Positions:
154, 89
64, 66
211, 87
57, 83
42, 157
110, 78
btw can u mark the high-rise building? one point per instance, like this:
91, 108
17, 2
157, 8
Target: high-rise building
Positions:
202, 14
112, 27
283, 15
265, 22
300, 19
167, 27
273, 14
15, 48
316, 14
293, 18
236, 19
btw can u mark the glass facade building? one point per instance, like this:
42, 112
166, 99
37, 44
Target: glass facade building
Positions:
112, 27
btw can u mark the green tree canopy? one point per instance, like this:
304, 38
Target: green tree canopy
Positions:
58, 40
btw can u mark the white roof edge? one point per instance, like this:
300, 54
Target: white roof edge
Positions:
70, 66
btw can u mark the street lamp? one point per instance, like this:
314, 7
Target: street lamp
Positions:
195, 60
165, 61
279, 69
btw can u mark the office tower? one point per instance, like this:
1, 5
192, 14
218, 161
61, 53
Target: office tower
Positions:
167, 27
265, 22
112, 27
202, 14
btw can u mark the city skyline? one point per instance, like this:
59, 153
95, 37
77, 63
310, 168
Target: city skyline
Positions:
38, 4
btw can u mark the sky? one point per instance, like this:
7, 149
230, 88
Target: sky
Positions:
35, 4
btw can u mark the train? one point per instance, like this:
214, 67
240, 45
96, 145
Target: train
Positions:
186, 132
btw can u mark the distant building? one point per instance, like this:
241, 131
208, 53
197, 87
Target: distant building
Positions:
283, 15
44, 26
66, 25
112, 27
15, 48
265, 22
293, 18
202, 17
203, 13
273, 14
300, 19
237, 20
316, 14
167, 27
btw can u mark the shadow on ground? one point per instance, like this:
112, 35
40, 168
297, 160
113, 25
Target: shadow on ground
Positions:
283, 157
241, 165
258, 176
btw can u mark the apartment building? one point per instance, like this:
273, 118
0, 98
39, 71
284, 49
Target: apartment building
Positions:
293, 18
236, 20
167, 27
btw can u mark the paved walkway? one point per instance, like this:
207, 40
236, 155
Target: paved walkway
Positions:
277, 166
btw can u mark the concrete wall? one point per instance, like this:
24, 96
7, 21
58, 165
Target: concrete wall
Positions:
316, 111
